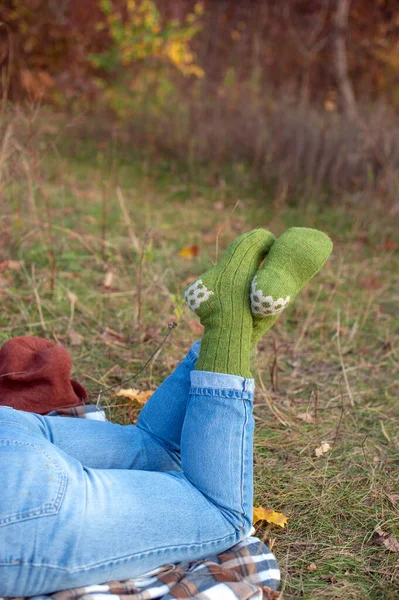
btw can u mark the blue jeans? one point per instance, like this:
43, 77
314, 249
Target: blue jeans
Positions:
84, 502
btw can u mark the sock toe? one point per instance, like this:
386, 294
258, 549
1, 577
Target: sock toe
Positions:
294, 259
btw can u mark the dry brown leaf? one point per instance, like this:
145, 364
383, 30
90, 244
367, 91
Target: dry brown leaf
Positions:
371, 283
11, 265
111, 337
269, 515
72, 297
188, 252
322, 449
306, 417
388, 540
133, 394
388, 246
394, 498
75, 338
107, 283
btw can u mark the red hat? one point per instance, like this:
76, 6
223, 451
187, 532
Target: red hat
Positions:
35, 376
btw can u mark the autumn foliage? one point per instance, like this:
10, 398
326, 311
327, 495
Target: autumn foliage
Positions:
47, 47
303, 90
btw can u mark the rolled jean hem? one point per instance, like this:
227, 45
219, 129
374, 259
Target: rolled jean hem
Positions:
194, 351
209, 383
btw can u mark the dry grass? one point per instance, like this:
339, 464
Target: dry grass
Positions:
305, 151
332, 357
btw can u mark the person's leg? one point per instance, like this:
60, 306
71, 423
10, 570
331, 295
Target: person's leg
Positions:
63, 525
113, 524
152, 445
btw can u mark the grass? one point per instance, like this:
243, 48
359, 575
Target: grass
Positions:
325, 373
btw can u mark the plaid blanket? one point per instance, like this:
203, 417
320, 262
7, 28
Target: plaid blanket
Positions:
247, 571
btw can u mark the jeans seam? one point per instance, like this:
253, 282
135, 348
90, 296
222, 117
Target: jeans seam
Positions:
243, 466
192, 357
221, 393
49, 508
138, 555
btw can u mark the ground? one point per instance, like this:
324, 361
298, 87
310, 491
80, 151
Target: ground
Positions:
89, 257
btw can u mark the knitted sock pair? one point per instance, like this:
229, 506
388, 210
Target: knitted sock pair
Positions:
237, 301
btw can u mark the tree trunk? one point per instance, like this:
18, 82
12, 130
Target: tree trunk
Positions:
340, 59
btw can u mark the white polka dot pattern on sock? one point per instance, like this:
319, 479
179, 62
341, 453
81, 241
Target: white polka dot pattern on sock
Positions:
265, 305
196, 294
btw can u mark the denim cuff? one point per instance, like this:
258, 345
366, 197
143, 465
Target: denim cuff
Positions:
214, 383
194, 351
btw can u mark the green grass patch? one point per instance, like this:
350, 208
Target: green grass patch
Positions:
332, 357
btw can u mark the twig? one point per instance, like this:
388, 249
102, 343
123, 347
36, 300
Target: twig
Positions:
269, 403
315, 396
340, 418
47, 204
140, 276
274, 367
223, 226
132, 236
104, 216
6, 86
314, 45
38, 302
171, 327
341, 359
307, 322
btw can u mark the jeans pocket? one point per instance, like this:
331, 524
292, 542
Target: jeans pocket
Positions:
32, 481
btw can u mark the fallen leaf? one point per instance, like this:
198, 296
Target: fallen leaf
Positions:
388, 246
322, 449
108, 280
72, 298
394, 498
269, 515
109, 336
270, 543
312, 567
188, 252
330, 578
306, 417
370, 283
330, 105
151, 333
388, 540
12, 265
133, 394
75, 338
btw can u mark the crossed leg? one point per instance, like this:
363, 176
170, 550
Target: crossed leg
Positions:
67, 521
64, 525
152, 445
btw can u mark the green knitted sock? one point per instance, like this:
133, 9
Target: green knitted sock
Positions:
221, 299
294, 258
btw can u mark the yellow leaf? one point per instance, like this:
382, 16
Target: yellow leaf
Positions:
134, 394
188, 252
330, 105
269, 515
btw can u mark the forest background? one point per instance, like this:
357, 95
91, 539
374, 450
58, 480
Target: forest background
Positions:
137, 139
